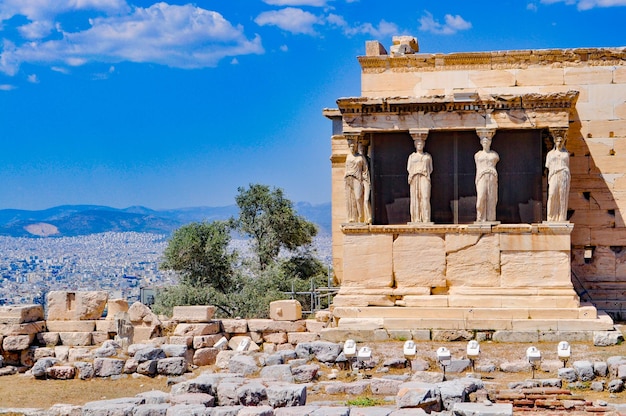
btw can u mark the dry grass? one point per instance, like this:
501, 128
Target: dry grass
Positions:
21, 391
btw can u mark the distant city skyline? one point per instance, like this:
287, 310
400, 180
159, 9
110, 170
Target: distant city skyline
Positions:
177, 104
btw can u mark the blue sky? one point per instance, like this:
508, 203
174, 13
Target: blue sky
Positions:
176, 104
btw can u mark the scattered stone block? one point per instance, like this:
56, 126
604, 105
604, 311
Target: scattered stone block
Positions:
223, 359
152, 409
71, 326
203, 399
385, 386
85, 370
615, 386
61, 372
147, 368
149, 353
197, 329
205, 356
275, 337
600, 368
73, 339
19, 314
305, 373
49, 339
607, 338
374, 48
286, 310
193, 314
278, 372
115, 306
106, 367
256, 411
106, 325
203, 341
123, 406
235, 326
242, 343
74, 354
568, 374
174, 366
98, 337
76, 306
27, 357
154, 397
323, 351
145, 323
243, 364
130, 366
182, 340
143, 333
482, 409
313, 326
40, 367
252, 394
269, 325
286, 395
22, 329
584, 370
295, 338
418, 395
43, 352
17, 342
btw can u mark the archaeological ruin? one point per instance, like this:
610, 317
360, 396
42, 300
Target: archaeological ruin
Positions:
481, 191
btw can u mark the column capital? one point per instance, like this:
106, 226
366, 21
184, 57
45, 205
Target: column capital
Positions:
486, 132
559, 131
353, 135
419, 133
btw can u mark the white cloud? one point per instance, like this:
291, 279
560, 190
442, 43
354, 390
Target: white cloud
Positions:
384, 28
452, 24
588, 4
290, 19
41, 13
177, 36
7, 87
33, 79
532, 7
312, 3
284, 48
60, 69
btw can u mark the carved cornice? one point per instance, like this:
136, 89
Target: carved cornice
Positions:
406, 105
494, 60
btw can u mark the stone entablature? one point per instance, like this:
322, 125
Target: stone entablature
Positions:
463, 111
493, 60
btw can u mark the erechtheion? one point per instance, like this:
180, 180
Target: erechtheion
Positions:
533, 141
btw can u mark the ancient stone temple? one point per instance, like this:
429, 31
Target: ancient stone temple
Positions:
481, 191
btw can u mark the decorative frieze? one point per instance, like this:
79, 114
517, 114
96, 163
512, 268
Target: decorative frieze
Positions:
494, 60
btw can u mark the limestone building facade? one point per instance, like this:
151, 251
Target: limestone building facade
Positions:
519, 271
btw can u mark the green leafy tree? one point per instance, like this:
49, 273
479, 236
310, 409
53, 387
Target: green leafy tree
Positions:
270, 220
210, 274
199, 252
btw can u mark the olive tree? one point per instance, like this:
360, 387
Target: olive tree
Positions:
269, 219
199, 252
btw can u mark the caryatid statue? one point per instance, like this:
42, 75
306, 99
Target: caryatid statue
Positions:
367, 185
419, 167
356, 174
486, 177
557, 162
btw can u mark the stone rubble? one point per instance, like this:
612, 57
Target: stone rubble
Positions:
261, 373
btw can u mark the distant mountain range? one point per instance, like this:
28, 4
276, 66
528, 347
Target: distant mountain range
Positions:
75, 220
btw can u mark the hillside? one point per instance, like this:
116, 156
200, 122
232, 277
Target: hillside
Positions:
76, 220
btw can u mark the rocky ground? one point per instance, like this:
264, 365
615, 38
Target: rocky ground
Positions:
316, 375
